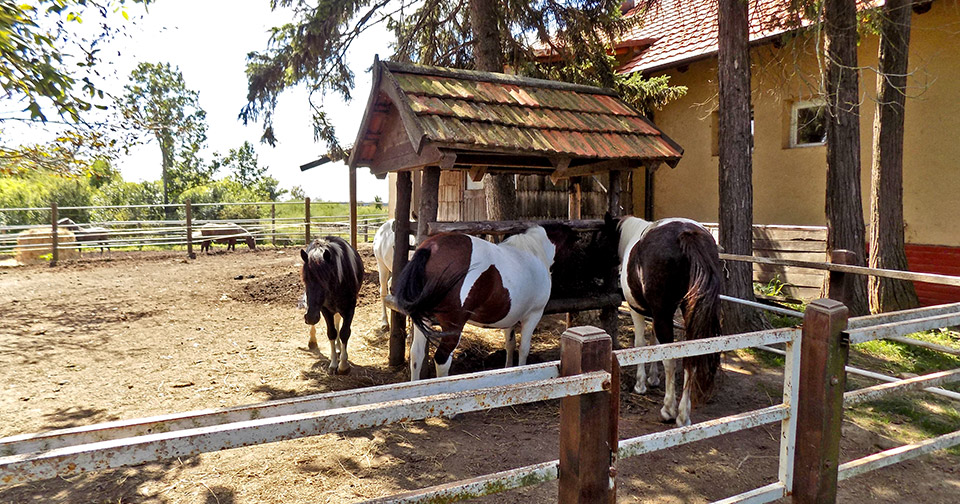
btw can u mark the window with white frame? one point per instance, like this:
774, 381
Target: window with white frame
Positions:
808, 123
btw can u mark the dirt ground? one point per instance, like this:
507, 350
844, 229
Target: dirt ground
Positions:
137, 334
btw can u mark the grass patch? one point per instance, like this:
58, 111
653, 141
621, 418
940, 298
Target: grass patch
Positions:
765, 358
908, 418
896, 358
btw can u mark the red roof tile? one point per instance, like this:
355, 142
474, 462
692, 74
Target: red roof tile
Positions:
686, 30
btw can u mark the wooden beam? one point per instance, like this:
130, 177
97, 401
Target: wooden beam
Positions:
477, 173
571, 171
507, 227
402, 157
613, 195
411, 124
559, 166
429, 196
353, 206
398, 322
573, 210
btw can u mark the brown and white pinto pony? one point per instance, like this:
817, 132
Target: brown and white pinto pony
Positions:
665, 265
459, 279
332, 274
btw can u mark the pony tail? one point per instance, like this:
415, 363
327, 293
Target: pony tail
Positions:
418, 296
702, 307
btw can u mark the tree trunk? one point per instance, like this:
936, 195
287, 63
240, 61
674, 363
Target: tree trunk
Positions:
500, 190
886, 197
166, 151
844, 201
736, 172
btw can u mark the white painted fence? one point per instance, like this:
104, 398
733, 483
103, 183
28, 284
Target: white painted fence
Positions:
72, 451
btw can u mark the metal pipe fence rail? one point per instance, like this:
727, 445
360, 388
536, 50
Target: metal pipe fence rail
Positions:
172, 233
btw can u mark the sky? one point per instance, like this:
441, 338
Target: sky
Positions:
209, 40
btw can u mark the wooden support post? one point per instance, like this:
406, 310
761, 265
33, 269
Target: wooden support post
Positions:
353, 207
306, 222
613, 195
573, 210
54, 238
839, 286
588, 423
188, 211
398, 321
648, 192
823, 355
609, 319
429, 197
273, 224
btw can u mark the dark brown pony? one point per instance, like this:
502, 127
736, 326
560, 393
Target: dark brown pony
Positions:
665, 265
89, 234
332, 273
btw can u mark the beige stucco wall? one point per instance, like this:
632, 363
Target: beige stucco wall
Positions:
790, 183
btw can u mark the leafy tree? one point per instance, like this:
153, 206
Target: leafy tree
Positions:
297, 193
158, 103
243, 163
120, 192
49, 72
473, 34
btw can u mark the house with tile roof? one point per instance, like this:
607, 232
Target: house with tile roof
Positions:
789, 156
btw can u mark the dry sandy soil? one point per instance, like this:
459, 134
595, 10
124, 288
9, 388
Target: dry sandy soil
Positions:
138, 334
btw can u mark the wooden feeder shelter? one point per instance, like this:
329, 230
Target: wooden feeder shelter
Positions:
433, 119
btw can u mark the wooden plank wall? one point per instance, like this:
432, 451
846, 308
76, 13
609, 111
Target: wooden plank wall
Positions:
801, 243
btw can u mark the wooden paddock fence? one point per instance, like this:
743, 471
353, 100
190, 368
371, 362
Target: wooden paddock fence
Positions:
140, 233
586, 380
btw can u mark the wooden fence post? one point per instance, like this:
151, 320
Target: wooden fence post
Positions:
353, 207
839, 286
613, 194
588, 423
54, 238
429, 197
306, 221
188, 212
823, 355
398, 321
273, 224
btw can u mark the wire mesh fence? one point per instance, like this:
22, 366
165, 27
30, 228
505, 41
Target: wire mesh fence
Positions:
28, 231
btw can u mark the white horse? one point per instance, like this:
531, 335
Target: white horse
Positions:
383, 244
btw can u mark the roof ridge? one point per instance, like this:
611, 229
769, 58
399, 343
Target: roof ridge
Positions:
494, 77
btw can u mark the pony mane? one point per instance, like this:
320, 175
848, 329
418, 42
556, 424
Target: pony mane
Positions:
320, 268
534, 241
631, 229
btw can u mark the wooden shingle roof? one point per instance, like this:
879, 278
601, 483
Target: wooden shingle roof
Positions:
461, 119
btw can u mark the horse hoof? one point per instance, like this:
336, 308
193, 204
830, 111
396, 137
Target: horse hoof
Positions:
313, 345
683, 422
344, 371
332, 369
666, 415
653, 381
640, 388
